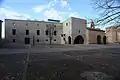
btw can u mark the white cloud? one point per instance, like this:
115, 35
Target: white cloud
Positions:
52, 3
7, 13
49, 10
39, 8
74, 14
64, 3
53, 14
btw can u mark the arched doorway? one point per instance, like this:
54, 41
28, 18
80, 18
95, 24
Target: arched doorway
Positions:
98, 39
69, 40
104, 39
79, 40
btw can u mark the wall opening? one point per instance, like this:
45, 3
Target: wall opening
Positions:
69, 40
27, 40
79, 40
98, 39
104, 39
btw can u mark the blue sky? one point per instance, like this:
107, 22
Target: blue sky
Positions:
44, 9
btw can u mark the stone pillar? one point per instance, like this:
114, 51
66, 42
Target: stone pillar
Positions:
1, 29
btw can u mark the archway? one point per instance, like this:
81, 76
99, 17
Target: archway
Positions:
79, 40
69, 40
104, 39
98, 39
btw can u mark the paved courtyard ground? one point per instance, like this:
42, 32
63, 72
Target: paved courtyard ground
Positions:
58, 62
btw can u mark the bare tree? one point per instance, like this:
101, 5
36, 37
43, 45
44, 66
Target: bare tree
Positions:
109, 11
51, 31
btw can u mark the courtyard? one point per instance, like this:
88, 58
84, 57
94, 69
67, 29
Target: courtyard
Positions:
60, 62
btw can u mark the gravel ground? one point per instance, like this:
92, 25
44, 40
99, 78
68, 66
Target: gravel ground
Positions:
60, 65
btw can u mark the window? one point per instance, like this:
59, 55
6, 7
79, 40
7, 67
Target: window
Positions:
66, 24
46, 40
38, 32
37, 40
13, 23
26, 24
54, 25
64, 34
55, 33
46, 32
79, 31
27, 40
13, 40
13, 31
54, 39
37, 24
27, 32
61, 35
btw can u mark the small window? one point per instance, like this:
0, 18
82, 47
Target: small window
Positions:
46, 40
26, 24
79, 31
37, 40
38, 32
54, 25
55, 33
61, 35
13, 40
13, 23
46, 32
66, 24
13, 31
64, 34
27, 32
54, 39
37, 24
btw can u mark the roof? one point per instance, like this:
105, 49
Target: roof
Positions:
113, 27
32, 21
95, 29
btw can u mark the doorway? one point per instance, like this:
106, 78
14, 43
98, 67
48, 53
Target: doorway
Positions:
98, 39
27, 40
104, 39
69, 40
79, 40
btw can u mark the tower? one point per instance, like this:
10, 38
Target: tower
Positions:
92, 25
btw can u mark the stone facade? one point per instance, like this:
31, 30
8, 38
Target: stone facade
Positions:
92, 34
113, 34
67, 32
20, 27
71, 31
74, 27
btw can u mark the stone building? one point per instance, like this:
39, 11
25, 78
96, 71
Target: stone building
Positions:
74, 30
95, 36
71, 31
32, 32
113, 34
